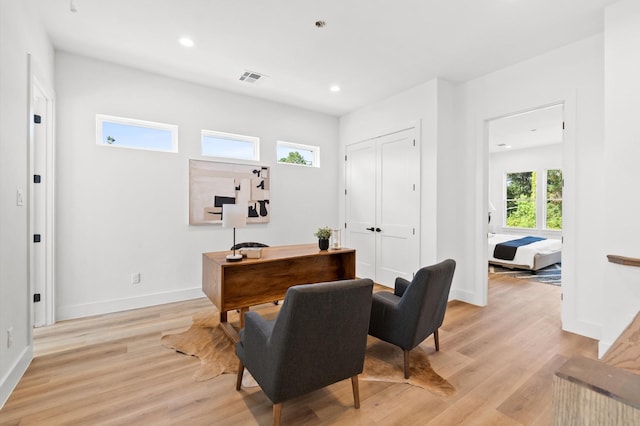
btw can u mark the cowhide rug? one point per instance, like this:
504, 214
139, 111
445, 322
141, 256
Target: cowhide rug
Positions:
383, 361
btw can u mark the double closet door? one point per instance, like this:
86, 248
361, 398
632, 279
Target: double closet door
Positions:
382, 203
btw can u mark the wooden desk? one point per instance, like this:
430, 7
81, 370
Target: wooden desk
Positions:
239, 285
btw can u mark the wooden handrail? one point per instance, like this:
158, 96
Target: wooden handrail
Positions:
625, 351
621, 260
604, 379
588, 391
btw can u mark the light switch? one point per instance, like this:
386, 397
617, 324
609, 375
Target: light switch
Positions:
19, 198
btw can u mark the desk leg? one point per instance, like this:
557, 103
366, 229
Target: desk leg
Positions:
242, 312
228, 329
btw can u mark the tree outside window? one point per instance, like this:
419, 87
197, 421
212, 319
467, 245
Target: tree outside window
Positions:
522, 210
294, 157
521, 200
295, 153
554, 199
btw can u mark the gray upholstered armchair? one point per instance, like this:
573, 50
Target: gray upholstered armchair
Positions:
414, 310
318, 338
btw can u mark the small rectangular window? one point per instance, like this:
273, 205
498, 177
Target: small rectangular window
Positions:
137, 134
228, 145
554, 199
521, 200
295, 153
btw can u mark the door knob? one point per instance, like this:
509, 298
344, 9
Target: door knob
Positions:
378, 230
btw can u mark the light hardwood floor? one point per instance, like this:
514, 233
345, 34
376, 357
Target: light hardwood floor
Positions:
111, 369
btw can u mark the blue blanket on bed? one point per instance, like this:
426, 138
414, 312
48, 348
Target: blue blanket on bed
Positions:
507, 250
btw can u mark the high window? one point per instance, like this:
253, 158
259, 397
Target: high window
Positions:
524, 190
122, 132
295, 153
229, 145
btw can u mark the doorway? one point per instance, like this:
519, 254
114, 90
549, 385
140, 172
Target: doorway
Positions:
525, 185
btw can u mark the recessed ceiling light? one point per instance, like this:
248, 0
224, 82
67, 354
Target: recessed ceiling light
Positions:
186, 42
335, 88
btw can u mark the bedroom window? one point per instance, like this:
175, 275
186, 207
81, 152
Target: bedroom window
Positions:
554, 199
229, 145
295, 153
122, 132
524, 189
521, 200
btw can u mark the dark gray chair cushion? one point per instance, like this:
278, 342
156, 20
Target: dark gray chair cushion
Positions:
415, 309
318, 338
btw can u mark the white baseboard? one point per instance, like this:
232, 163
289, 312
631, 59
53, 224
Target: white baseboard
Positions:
10, 380
603, 347
583, 328
118, 305
464, 296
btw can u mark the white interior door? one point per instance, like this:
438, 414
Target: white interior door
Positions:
360, 205
37, 207
383, 206
41, 199
398, 207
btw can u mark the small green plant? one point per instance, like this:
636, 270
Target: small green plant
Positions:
110, 140
323, 233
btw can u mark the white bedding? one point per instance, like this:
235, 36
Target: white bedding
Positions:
524, 254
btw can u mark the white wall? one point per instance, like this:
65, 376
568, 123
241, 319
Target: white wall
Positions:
430, 106
122, 211
573, 75
621, 286
19, 36
521, 160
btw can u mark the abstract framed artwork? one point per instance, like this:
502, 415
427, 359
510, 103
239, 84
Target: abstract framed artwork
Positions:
212, 184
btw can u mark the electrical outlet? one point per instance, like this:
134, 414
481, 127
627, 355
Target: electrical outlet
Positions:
135, 278
9, 337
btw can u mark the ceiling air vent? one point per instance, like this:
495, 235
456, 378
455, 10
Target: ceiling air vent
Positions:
251, 76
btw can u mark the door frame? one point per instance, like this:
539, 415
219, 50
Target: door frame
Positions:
568, 99
46, 313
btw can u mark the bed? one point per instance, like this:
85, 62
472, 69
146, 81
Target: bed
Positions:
533, 257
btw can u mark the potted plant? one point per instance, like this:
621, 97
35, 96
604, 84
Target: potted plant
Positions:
323, 235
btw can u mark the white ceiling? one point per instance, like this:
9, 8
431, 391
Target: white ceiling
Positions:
529, 129
371, 48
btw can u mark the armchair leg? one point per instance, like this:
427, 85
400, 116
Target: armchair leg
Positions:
356, 391
435, 338
277, 413
406, 363
240, 373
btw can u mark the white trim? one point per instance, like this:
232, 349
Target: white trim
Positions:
101, 118
117, 305
254, 140
569, 316
315, 150
10, 380
465, 296
583, 328
603, 347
